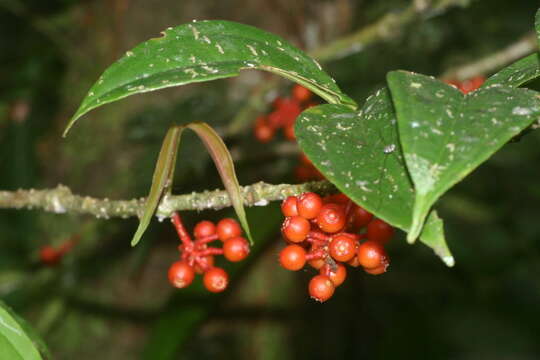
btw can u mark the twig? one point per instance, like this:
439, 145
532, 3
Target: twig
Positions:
61, 200
488, 64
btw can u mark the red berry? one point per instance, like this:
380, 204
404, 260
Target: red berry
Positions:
289, 109
471, 84
49, 255
304, 160
379, 231
354, 261
371, 254
181, 274
215, 280
342, 248
204, 264
378, 270
309, 205
276, 119
263, 131
293, 257
360, 217
338, 276
288, 131
203, 229
337, 198
331, 218
235, 249
228, 228
301, 94
317, 263
321, 288
295, 228
288, 206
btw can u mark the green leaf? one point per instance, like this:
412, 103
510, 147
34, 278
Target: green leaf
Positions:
224, 163
166, 164
161, 180
203, 51
520, 72
445, 134
359, 152
433, 236
14, 342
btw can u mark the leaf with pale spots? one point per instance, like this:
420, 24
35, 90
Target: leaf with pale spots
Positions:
517, 74
360, 153
445, 135
203, 51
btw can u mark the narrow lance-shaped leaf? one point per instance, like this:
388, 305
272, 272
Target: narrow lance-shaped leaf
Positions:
445, 134
203, 51
519, 73
360, 153
224, 163
161, 180
14, 343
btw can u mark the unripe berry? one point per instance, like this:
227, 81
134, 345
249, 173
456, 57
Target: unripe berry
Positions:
289, 206
228, 228
181, 274
215, 280
371, 254
338, 276
235, 249
342, 248
292, 257
295, 228
321, 288
203, 229
331, 218
379, 231
309, 205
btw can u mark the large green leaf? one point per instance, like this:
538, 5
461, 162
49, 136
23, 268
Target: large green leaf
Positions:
203, 51
445, 134
360, 153
520, 72
14, 343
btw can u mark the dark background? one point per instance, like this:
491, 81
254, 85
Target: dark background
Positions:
110, 301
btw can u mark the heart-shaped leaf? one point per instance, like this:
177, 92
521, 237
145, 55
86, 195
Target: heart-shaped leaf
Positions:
203, 51
445, 134
14, 342
360, 153
520, 72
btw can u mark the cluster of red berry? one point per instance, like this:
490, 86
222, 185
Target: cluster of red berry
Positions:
51, 256
197, 257
326, 234
283, 116
468, 85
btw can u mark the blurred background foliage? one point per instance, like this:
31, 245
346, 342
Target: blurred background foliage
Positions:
110, 301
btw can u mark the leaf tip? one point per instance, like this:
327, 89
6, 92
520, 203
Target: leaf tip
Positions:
449, 260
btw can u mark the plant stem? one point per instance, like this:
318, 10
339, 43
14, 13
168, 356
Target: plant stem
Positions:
61, 200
